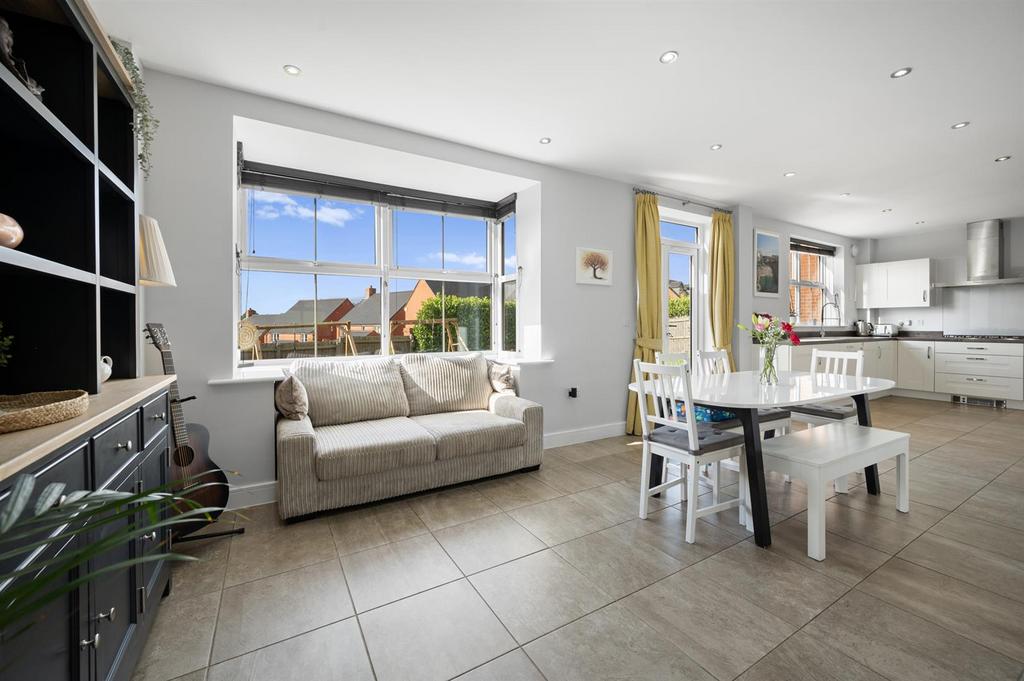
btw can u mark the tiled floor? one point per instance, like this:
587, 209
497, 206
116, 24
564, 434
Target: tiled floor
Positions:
550, 575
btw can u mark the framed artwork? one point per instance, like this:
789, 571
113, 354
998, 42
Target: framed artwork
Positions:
593, 266
767, 255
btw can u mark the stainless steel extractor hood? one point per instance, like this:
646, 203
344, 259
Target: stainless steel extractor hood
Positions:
985, 256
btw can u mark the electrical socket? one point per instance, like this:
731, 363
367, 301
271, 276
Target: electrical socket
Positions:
574, 392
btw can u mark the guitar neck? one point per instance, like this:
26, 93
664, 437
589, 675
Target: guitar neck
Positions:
177, 415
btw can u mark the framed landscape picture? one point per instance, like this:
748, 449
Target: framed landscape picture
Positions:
767, 255
593, 266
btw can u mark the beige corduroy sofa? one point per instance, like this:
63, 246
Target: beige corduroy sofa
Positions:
383, 427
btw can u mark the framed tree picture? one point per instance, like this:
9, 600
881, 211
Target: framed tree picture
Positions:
593, 266
767, 256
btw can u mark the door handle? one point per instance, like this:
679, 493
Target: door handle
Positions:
974, 380
149, 537
924, 296
970, 348
93, 642
929, 354
976, 359
109, 615
127, 446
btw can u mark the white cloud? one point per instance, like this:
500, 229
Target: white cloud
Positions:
272, 205
261, 196
510, 261
334, 215
450, 258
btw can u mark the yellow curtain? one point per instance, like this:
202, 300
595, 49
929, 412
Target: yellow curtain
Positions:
722, 271
647, 236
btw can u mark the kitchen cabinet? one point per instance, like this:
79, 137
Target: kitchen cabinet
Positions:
915, 365
990, 370
880, 359
902, 283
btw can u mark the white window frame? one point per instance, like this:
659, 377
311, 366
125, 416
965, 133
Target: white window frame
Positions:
828, 271
694, 250
384, 269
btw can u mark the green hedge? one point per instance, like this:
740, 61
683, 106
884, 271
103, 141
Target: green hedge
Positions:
473, 313
679, 307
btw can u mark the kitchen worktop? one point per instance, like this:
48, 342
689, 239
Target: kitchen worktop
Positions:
918, 335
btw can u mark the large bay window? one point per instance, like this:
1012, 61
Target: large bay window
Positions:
317, 274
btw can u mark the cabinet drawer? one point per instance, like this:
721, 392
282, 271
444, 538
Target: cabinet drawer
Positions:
115, 447
980, 365
992, 387
970, 348
155, 416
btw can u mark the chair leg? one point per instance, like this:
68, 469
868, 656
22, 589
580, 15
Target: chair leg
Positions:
903, 483
815, 518
840, 485
741, 491
684, 476
645, 480
716, 476
691, 503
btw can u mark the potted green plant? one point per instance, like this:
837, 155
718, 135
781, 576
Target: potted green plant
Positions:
5, 346
145, 123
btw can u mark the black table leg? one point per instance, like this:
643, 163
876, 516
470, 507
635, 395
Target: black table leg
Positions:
864, 418
755, 476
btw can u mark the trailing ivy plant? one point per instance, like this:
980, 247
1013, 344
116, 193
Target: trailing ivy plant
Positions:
5, 346
145, 123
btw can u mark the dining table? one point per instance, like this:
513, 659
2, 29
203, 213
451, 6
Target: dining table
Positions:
744, 394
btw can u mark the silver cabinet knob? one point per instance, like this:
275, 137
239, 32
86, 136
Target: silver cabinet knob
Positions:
109, 615
150, 536
159, 417
127, 446
93, 642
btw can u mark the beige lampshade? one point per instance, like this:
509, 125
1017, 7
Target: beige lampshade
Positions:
154, 265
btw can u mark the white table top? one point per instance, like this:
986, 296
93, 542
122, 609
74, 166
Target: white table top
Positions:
743, 389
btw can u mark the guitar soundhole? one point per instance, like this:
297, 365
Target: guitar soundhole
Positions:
184, 456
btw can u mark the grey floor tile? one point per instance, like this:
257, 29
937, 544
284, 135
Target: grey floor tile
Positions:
560, 520
262, 554
538, 593
939, 488
904, 647
518, 489
782, 587
199, 675
387, 573
261, 518
1013, 477
576, 453
998, 539
204, 575
997, 503
845, 560
569, 478
921, 516
332, 653
366, 528
665, 530
484, 543
451, 507
614, 467
803, 658
616, 502
867, 528
967, 563
514, 666
617, 560
976, 460
434, 635
721, 630
173, 649
612, 644
982, 616
268, 610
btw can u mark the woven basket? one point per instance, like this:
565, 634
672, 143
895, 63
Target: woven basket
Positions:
31, 410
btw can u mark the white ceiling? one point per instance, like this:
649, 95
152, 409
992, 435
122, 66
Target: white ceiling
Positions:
785, 86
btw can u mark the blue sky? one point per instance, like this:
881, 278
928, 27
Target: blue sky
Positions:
282, 225
678, 265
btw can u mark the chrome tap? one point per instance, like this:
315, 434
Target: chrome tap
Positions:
839, 313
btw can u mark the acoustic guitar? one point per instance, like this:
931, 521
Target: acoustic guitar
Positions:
191, 469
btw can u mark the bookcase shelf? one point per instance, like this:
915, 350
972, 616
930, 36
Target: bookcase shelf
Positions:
68, 178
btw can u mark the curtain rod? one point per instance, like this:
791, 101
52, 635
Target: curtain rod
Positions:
641, 190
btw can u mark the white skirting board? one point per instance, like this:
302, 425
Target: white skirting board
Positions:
252, 495
574, 437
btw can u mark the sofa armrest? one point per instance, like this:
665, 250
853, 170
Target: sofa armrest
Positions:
296, 467
531, 414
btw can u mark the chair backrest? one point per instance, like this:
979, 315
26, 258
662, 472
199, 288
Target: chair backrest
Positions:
666, 386
672, 358
836, 363
713, 361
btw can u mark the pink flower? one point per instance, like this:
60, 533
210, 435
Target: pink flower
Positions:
759, 327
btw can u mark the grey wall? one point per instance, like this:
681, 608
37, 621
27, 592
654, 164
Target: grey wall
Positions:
1000, 307
587, 330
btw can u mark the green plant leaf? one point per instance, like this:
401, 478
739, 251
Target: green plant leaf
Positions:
49, 497
17, 501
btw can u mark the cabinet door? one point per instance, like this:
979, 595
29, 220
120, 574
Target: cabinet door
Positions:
872, 283
916, 366
112, 612
153, 474
909, 283
887, 359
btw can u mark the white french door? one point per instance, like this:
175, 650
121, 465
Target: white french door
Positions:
680, 268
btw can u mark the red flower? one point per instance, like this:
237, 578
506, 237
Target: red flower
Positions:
787, 327
794, 339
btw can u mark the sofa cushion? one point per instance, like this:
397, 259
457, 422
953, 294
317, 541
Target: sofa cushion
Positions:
441, 384
344, 392
351, 449
462, 433
291, 400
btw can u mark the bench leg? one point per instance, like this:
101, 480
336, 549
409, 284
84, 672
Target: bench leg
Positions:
645, 480
815, 518
840, 485
903, 483
692, 482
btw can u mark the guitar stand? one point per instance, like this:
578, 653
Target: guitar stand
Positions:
210, 535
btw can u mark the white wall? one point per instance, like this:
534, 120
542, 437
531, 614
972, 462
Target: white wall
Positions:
587, 330
1000, 307
745, 221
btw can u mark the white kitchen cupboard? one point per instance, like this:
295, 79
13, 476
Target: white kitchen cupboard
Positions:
880, 359
915, 365
902, 283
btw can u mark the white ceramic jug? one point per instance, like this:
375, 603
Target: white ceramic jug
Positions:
106, 367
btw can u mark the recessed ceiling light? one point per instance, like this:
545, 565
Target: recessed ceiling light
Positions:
716, 147
669, 57
961, 124
789, 174
845, 194
545, 140
899, 73
887, 210
292, 69
1003, 158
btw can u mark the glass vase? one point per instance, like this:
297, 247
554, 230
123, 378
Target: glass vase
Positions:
769, 375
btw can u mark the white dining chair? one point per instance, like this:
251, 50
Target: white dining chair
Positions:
682, 440
831, 363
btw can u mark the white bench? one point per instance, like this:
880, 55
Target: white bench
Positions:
822, 454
